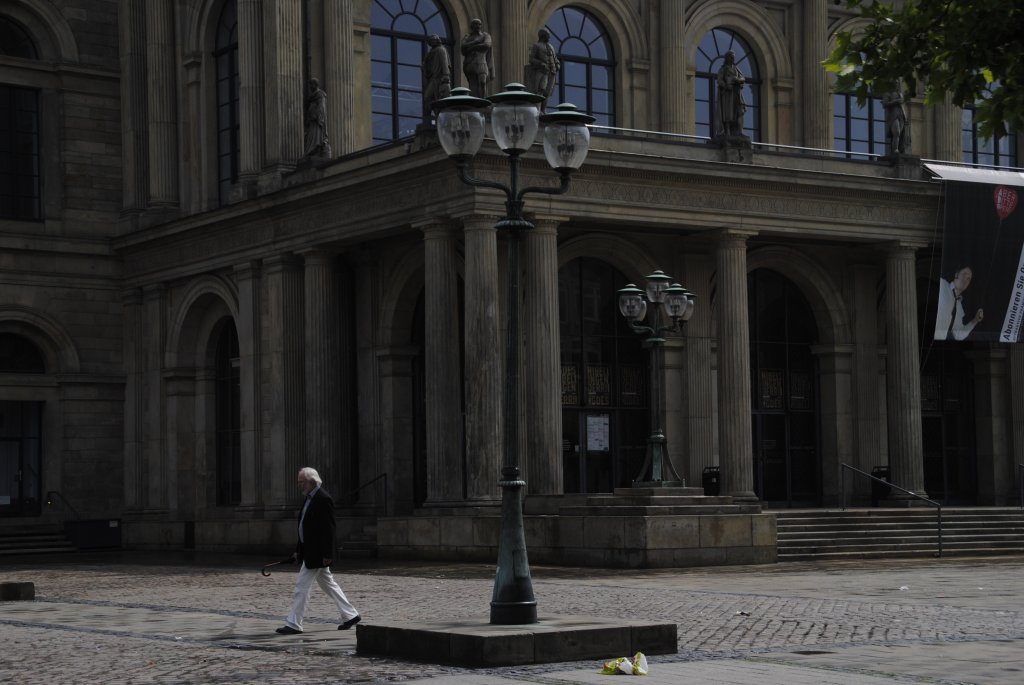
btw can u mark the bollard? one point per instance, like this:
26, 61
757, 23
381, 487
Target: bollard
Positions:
16, 592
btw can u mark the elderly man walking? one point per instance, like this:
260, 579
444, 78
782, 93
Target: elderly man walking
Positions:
316, 552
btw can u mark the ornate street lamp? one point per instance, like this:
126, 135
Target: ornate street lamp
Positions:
515, 120
677, 303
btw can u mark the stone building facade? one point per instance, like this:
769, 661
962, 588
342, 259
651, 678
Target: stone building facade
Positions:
194, 310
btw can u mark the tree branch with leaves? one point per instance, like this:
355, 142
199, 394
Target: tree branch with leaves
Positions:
972, 50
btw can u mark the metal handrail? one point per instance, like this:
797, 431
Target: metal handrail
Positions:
937, 505
52, 495
384, 477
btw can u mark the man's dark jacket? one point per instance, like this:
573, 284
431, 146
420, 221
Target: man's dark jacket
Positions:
317, 531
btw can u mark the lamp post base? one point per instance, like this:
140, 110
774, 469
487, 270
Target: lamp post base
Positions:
657, 466
513, 602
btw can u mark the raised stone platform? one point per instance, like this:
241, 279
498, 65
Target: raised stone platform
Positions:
551, 639
632, 528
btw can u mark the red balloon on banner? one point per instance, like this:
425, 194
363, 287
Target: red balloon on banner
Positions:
1006, 201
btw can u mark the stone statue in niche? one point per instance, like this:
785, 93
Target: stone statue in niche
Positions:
316, 143
731, 107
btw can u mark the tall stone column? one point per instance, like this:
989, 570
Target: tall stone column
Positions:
154, 473
484, 380
323, 366
948, 130
162, 101
672, 65
542, 368
282, 79
903, 377
698, 372
735, 447
835, 380
283, 377
339, 73
992, 413
817, 117
870, 397
1016, 407
512, 53
180, 402
442, 367
251, 151
135, 183
134, 401
247, 276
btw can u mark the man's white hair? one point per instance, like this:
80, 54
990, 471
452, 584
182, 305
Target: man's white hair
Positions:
310, 473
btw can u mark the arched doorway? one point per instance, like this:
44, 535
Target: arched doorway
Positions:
21, 428
605, 412
784, 384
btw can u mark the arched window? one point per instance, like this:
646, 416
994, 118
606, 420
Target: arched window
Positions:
858, 129
710, 57
15, 41
228, 416
19, 133
605, 391
19, 355
398, 37
587, 77
225, 55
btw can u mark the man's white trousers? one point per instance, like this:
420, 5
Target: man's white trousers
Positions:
304, 585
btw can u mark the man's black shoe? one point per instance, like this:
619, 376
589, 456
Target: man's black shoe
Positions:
288, 630
351, 622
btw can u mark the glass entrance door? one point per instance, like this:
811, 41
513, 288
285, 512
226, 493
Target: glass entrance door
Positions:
784, 384
20, 438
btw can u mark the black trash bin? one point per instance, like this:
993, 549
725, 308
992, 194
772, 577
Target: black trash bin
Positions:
879, 491
710, 480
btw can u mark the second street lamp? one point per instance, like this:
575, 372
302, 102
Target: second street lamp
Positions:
677, 303
515, 121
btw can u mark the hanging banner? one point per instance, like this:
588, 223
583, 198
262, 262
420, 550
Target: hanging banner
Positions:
980, 292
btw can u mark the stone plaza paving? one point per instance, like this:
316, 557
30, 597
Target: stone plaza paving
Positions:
151, 618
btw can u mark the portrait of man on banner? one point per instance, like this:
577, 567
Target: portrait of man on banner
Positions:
980, 292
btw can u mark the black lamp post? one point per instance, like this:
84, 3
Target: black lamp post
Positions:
678, 303
515, 120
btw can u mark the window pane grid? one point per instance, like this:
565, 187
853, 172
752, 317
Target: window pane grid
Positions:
586, 78
19, 154
399, 32
709, 59
226, 88
985, 151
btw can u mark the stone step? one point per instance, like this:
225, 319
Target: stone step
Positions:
980, 531
47, 549
825, 514
891, 533
898, 554
685, 510
654, 500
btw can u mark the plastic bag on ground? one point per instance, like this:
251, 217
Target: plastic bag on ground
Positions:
626, 666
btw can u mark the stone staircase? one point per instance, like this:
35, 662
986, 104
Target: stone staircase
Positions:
361, 544
821, 534
41, 539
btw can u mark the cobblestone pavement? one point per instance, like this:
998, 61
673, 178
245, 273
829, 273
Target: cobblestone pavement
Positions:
122, 618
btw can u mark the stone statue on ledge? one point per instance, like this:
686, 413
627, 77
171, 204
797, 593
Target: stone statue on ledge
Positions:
477, 60
316, 143
437, 73
543, 68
